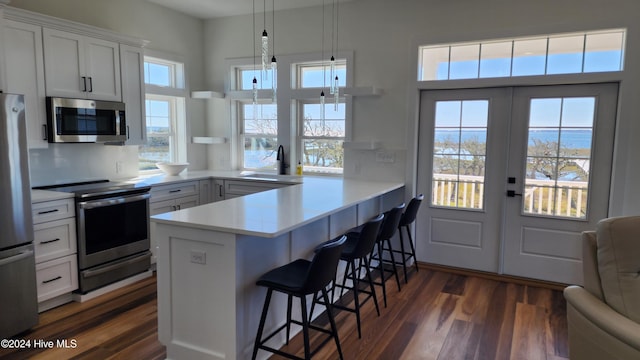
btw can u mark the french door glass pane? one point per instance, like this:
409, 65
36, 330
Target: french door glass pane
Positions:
459, 153
558, 157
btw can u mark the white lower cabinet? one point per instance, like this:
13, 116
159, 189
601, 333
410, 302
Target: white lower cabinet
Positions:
236, 188
172, 197
56, 251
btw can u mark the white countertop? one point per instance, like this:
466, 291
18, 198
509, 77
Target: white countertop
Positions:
38, 196
160, 179
275, 212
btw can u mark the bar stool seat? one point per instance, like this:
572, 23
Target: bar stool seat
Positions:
300, 278
406, 220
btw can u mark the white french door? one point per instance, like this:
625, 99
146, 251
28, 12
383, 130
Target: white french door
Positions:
507, 177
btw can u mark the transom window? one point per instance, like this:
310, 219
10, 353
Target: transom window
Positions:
595, 51
310, 75
245, 77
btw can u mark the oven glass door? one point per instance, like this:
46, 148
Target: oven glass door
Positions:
112, 228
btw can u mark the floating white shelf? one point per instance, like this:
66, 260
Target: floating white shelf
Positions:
208, 140
207, 95
362, 145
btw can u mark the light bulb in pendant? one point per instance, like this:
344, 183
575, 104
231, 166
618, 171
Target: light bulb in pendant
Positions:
265, 52
255, 90
274, 74
332, 73
336, 94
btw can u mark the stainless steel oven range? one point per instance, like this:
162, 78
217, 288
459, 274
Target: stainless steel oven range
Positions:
112, 230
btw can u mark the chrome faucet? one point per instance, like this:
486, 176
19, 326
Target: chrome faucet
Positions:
280, 159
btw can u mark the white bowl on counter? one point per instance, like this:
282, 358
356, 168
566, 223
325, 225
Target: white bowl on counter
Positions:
170, 168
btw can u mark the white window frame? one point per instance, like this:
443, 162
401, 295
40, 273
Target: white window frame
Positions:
288, 95
176, 95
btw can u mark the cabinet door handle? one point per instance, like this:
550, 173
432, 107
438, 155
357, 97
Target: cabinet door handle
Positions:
90, 84
48, 211
175, 191
220, 190
84, 83
49, 241
178, 206
52, 280
128, 132
44, 132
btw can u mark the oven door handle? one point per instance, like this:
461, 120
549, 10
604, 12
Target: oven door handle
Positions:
91, 204
102, 270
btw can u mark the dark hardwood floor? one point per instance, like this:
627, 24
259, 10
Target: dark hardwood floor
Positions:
438, 315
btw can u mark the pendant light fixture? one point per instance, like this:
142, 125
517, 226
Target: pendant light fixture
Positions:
334, 76
332, 62
265, 41
324, 75
255, 81
274, 64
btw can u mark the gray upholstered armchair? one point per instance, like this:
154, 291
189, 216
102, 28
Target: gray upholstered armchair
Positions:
604, 315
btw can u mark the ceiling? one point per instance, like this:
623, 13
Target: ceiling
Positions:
209, 9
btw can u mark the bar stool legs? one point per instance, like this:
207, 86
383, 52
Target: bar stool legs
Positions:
407, 255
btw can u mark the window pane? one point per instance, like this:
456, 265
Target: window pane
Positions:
495, 59
260, 152
529, 57
578, 112
265, 120
264, 79
558, 157
434, 63
545, 113
565, 55
464, 62
333, 124
312, 75
603, 52
157, 74
323, 156
158, 146
459, 149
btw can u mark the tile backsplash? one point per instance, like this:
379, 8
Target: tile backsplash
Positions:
64, 163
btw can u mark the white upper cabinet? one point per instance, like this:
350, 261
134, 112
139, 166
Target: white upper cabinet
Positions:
132, 67
25, 75
79, 66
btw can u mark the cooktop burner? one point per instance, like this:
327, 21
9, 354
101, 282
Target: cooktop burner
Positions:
97, 188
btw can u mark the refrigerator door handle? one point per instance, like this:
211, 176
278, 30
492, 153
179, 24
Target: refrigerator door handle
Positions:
23, 255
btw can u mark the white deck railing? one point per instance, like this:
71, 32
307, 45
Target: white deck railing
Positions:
569, 199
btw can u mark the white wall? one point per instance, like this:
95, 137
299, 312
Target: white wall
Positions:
384, 36
167, 31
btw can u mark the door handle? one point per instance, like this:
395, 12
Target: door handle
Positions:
512, 193
84, 83
90, 84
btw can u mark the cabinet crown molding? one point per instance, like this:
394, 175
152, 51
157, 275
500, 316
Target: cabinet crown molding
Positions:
51, 22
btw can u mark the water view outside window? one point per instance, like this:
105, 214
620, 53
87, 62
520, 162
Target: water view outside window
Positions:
546, 55
322, 140
158, 145
459, 153
260, 135
559, 156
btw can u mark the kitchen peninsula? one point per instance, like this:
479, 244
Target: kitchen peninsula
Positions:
210, 256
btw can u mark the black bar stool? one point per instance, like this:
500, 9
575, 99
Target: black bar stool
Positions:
387, 230
358, 247
406, 220
301, 278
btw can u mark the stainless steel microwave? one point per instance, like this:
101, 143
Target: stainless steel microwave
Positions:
82, 121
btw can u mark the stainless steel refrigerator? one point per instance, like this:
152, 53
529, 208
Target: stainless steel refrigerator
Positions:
18, 297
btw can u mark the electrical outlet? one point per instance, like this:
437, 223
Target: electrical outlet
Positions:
385, 157
198, 257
